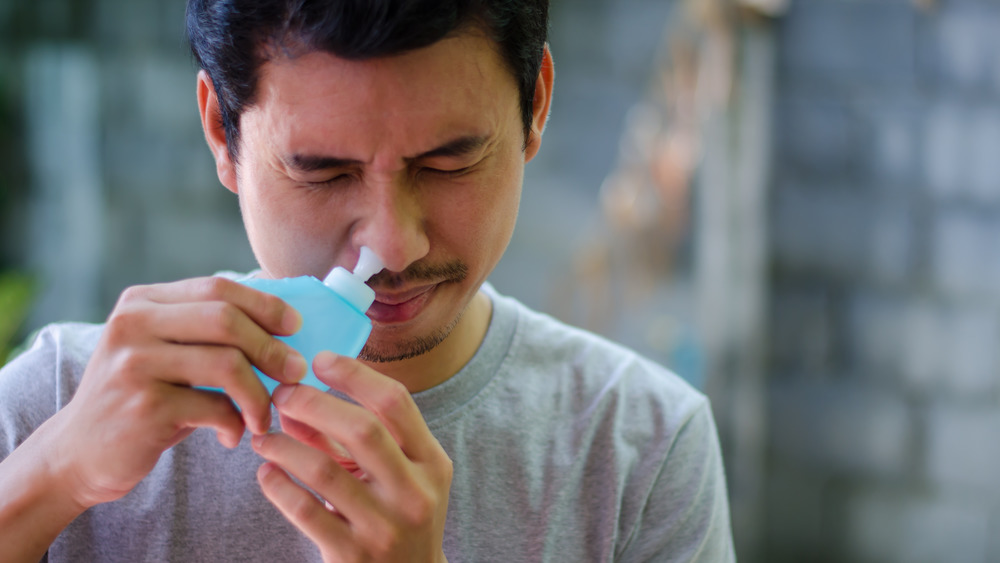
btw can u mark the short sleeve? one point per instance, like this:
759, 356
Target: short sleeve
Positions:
42, 379
686, 515
24, 403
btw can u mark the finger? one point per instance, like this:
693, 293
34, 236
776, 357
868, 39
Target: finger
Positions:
320, 473
359, 431
194, 408
302, 508
222, 323
387, 398
315, 439
205, 366
270, 312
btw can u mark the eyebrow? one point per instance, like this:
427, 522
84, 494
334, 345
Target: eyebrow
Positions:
314, 163
461, 146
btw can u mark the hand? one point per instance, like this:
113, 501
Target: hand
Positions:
382, 474
136, 397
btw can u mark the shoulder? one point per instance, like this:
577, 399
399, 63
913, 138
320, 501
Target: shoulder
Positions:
575, 383
653, 434
60, 342
40, 380
597, 368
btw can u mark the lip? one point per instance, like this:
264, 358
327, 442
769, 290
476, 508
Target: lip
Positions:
401, 306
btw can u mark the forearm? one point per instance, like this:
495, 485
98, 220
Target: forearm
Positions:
35, 506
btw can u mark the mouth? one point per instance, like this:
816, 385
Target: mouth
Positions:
395, 307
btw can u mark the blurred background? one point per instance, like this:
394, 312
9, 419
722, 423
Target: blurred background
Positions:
793, 204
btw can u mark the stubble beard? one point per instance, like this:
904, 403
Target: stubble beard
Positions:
407, 349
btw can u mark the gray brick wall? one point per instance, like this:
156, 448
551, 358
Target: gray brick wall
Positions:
161, 213
884, 391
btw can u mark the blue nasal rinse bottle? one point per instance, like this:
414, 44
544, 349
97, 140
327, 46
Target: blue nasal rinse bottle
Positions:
333, 312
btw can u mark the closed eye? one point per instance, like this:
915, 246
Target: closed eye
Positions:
450, 173
338, 179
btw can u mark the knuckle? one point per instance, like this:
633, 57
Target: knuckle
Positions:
273, 309
367, 431
118, 329
124, 324
273, 353
323, 475
419, 509
229, 362
268, 309
385, 546
131, 361
224, 317
394, 398
133, 293
213, 287
144, 406
304, 509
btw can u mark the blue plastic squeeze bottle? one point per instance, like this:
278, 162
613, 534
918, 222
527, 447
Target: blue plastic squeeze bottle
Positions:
333, 312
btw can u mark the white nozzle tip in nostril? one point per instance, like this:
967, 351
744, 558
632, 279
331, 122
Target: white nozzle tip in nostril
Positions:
368, 264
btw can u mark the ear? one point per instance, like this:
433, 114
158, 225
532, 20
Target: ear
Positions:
540, 105
215, 134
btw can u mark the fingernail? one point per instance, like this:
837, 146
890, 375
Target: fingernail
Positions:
228, 440
295, 366
291, 322
264, 469
324, 361
281, 394
258, 440
258, 426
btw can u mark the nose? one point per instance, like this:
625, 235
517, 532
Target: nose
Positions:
394, 224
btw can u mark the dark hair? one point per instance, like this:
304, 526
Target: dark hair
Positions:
231, 39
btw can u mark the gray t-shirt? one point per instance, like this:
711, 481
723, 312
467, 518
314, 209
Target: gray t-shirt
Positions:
566, 447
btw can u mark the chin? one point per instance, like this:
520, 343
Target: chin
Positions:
387, 345
397, 351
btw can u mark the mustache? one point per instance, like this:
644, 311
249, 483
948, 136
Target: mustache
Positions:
454, 271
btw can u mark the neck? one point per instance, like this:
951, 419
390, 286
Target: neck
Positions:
447, 358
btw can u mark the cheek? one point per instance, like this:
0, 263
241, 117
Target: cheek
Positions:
290, 233
506, 199
482, 224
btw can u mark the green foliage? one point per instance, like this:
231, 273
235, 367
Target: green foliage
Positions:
17, 290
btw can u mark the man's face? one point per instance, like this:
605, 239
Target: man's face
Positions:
419, 157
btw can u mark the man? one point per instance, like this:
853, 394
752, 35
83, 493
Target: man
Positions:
470, 429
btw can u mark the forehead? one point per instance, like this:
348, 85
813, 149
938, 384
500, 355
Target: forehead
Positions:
458, 80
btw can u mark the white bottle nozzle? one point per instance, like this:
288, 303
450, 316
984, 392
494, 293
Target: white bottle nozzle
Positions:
352, 286
368, 264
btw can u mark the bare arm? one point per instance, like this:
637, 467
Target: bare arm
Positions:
35, 505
